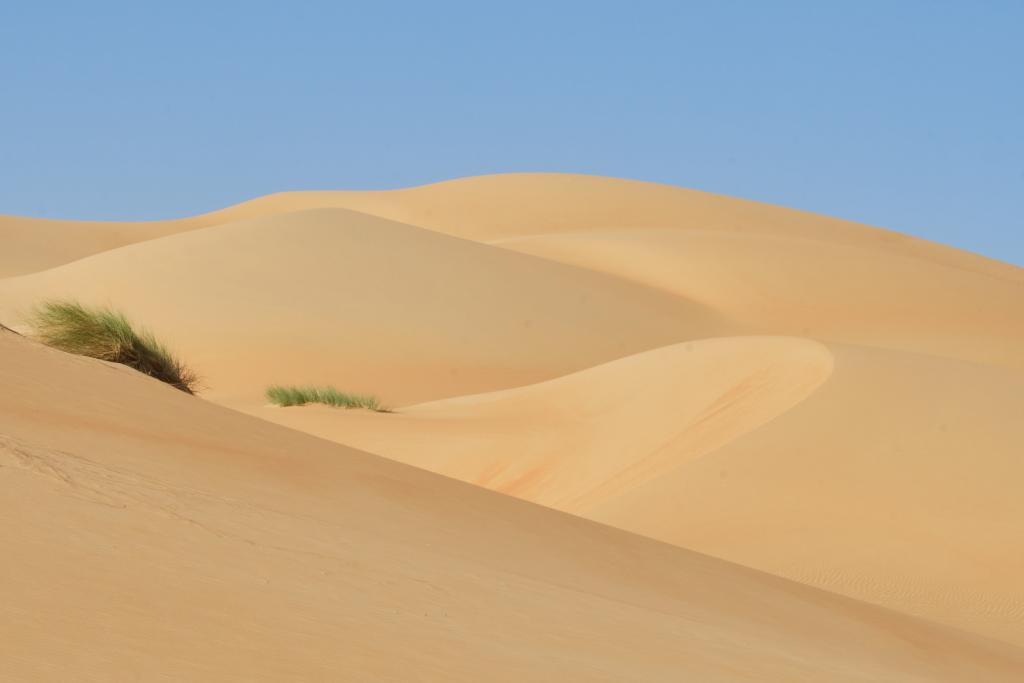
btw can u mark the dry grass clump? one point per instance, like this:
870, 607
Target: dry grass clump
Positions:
297, 396
108, 335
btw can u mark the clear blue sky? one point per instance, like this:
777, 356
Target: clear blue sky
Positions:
903, 114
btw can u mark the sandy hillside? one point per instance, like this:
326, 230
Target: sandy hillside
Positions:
330, 295
149, 534
821, 400
769, 270
882, 475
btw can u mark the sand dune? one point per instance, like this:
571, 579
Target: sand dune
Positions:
501, 207
892, 481
824, 401
494, 207
34, 244
371, 305
818, 287
150, 534
579, 440
895, 482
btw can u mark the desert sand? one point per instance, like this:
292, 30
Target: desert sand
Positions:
663, 377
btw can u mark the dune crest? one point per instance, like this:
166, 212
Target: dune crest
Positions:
812, 286
581, 439
332, 296
490, 208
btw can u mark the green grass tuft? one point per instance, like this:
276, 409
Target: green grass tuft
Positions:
108, 335
298, 396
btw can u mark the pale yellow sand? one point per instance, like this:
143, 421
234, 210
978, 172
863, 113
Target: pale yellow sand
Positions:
771, 270
335, 296
818, 399
586, 438
149, 535
883, 475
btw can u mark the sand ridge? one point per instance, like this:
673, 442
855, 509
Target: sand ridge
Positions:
331, 295
492, 208
584, 438
828, 290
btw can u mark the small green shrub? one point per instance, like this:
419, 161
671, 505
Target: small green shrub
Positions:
297, 396
108, 335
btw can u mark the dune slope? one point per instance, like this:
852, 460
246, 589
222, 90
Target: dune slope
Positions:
334, 296
887, 476
820, 286
150, 534
771, 270
896, 482
591, 436
34, 244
